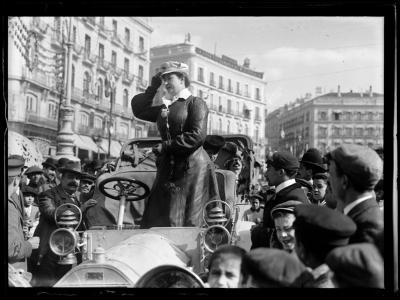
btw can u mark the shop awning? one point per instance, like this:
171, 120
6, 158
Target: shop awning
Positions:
87, 143
115, 147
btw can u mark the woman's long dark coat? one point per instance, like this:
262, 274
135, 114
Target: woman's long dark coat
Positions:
185, 179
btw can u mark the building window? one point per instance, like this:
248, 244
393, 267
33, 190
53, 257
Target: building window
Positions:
336, 116
212, 80
84, 120
246, 90
358, 116
141, 44
370, 116
258, 96
256, 135
228, 127
306, 132
87, 45
308, 116
101, 53
258, 114
86, 82
74, 34
336, 131
73, 76
230, 86
115, 27
212, 101
359, 132
127, 36
114, 58
126, 66
322, 132
237, 108
246, 129
138, 132
126, 98
98, 123
323, 115
229, 106
140, 72
380, 116
370, 132
52, 111
123, 129
101, 20
238, 88
220, 126
200, 74
219, 104
348, 132
99, 94
221, 82
200, 93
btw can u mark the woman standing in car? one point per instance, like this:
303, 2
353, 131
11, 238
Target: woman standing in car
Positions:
185, 179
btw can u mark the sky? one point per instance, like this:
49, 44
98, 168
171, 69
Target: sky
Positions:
296, 54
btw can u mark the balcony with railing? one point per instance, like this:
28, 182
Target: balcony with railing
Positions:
56, 39
83, 129
35, 119
238, 92
38, 77
90, 22
103, 65
39, 27
103, 30
89, 58
141, 53
257, 118
116, 39
128, 46
212, 83
127, 77
104, 104
221, 86
230, 89
142, 83
116, 71
77, 50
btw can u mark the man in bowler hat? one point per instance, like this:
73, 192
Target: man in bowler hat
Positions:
311, 163
354, 171
318, 230
282, 168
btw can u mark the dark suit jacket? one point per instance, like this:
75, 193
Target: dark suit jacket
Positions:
369, 220
18, 248
48, 203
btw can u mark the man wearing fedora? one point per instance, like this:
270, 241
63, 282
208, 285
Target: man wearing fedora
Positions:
282, 168
354, 171
49, 174
48, 270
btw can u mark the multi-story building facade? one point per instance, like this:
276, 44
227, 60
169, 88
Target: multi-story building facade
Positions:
235, 94
326, 121
101, 47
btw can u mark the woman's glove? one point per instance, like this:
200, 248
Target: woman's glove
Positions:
156, 81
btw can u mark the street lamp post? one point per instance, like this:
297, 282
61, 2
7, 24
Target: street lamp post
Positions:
65, 136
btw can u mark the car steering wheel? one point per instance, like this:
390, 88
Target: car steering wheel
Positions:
115, 187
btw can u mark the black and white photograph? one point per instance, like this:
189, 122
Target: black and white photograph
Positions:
201, 152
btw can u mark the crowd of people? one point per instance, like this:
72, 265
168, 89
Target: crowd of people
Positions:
317, 224
34, 193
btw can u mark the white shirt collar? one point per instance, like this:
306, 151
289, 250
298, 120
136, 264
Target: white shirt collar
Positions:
350, 206
185, 93
284, 185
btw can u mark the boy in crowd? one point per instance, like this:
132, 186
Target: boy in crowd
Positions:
320, 183
255, 212
224, 267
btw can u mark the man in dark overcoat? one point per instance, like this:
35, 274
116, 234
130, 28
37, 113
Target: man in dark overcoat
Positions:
354, 171
281, 171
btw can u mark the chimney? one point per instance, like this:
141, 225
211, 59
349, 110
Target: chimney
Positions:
246, 63
370, 91
338, 91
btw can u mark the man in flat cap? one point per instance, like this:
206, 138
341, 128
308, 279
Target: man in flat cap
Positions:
19, 249
49, 173
35, 176
311, 163
283, 216
49, 271
357, 265
266, 268
354, 171
318, 230
282, 168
